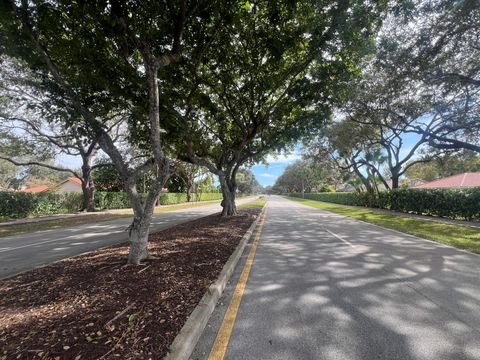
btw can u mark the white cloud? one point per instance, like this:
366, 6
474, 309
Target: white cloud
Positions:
282, 158
268, 175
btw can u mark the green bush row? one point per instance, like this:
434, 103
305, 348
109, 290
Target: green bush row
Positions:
211, 196
451, 203
111, 200
15, 205
177, 198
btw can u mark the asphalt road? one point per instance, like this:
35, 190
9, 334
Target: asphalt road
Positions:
324, 286
26, 251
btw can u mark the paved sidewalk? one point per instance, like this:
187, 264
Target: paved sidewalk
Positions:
324, 286
27, 251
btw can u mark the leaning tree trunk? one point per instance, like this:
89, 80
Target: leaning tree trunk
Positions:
367, 184
228, 191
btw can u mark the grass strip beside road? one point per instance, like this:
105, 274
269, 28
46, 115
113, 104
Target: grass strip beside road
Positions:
458, 236
255, 204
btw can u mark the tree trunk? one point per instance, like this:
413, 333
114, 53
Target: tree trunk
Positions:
143, 207
228, 191
138, 235
88, 203
88, 187
395, 181
189, 191
367, 184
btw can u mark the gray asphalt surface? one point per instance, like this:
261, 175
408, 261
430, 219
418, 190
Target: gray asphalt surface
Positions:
324, 286
26, 251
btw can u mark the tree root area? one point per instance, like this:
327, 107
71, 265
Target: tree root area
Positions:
94, 306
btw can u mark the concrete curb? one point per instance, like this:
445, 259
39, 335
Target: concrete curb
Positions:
186, 340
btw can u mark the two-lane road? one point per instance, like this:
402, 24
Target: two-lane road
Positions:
27, 251
323, 286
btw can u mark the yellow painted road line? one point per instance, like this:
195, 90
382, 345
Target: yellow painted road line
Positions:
219, 347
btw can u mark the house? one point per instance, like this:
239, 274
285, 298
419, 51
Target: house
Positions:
460, 181
72, 184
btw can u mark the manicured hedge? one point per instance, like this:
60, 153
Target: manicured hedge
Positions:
111, 200
14, 205
452, 203
211, 196
177, 198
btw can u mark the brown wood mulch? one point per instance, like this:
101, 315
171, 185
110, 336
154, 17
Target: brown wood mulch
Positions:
94, 306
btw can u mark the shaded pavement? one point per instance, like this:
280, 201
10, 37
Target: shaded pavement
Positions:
324, 286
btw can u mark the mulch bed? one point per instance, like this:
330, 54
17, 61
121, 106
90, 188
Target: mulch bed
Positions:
94, 306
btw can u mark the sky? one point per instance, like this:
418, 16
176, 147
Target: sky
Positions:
268, 174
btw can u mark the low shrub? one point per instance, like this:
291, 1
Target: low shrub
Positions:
111, 200
14, 205
172, 198
451, 203
210, 196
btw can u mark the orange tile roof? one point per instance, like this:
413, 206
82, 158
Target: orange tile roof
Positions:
465, 180
74, 180
36, 189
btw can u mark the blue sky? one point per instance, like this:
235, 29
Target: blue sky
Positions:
267, 174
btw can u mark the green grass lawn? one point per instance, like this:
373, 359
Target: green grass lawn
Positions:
455, 235
255, 204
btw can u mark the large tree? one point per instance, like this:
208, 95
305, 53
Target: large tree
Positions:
305, 176
433, 47
98, 59
270, 79
388, 113
23, 113
247, 182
